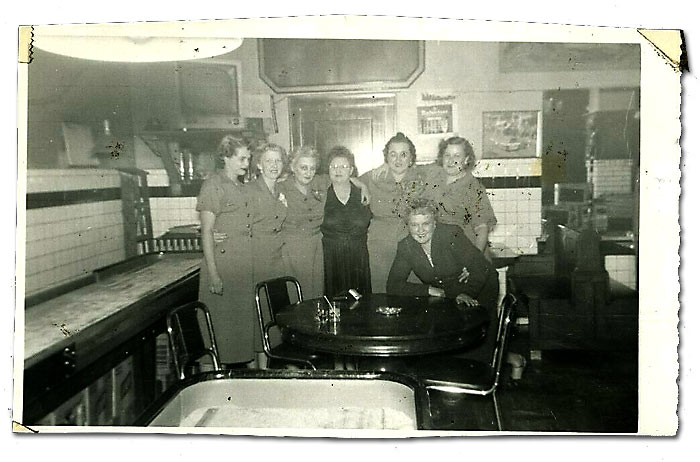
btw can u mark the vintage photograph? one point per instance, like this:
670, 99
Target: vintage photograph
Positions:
226, 232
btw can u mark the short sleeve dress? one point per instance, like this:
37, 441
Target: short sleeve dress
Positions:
388, 202
345, 255
232, 313
464, 203
268, 211
301, 232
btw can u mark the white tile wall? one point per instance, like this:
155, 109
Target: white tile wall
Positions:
518, 211
50, 180
157, 177
64, 243
519, 215
623, 269
611, 176
508, 167
167, 212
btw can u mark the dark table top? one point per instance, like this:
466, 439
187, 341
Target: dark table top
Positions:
425, 325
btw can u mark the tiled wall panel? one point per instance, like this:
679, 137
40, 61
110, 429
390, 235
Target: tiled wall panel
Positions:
519, 215
623, 269
65, 242
167, 212
611, 176
518, 210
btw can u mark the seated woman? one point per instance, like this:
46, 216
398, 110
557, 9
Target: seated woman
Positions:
447, 264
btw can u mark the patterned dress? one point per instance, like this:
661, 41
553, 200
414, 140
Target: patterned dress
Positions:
388, 202
464, 203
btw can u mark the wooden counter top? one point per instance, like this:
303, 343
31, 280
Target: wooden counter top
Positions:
52, 325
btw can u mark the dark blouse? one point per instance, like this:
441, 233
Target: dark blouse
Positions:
345, 221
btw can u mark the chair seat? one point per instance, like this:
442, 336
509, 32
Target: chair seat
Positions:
543, 286
461, 373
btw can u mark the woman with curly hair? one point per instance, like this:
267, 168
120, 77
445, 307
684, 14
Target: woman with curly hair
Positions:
225, 277
345, 222
462, 199
306, 193
390, 193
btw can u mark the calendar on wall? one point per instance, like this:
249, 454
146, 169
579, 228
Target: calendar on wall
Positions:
437, 119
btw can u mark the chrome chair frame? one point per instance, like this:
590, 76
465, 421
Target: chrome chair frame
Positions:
174, 326
265, 327
506, 311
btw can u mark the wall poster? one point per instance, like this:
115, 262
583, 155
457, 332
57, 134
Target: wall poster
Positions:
510, 134
436, 120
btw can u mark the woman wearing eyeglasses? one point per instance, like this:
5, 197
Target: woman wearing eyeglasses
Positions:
389, 195
306, 194
344, 228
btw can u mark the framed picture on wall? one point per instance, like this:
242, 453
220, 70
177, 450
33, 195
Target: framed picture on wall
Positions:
510, 134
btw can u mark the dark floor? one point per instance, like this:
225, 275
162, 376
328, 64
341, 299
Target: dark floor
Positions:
565, 391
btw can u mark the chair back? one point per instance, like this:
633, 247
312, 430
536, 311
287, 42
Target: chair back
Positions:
505, 318
191, 337
275, 294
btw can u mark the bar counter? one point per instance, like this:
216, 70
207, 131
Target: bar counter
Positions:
75, 338
50, 326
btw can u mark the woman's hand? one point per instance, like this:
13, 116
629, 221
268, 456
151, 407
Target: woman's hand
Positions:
364, 190
366, 198
436, 292
464, 276
219, 237
380, 172
216, 285
464, 299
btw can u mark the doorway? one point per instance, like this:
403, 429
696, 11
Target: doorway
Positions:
563, 140
361, 123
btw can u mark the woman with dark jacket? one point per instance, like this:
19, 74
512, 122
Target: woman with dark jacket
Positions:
447, 264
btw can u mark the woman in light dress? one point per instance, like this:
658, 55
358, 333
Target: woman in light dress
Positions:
306, 193
390, 193
226, 271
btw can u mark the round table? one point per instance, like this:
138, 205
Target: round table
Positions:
425, 325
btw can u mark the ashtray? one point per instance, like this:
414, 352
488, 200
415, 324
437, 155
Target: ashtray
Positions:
389, 310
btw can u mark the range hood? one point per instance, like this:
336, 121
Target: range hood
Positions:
226, 123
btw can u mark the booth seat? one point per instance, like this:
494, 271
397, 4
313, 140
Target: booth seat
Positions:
572, 303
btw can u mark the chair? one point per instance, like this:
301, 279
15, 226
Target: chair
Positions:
276, 296
466, 376
187, 339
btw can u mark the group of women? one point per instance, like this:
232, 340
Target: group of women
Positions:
332, 232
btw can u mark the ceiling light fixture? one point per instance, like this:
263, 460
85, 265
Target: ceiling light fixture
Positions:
135, 43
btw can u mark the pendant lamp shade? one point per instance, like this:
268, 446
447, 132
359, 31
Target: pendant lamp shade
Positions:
134, 43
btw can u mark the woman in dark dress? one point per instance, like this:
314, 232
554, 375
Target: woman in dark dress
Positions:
344, 228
